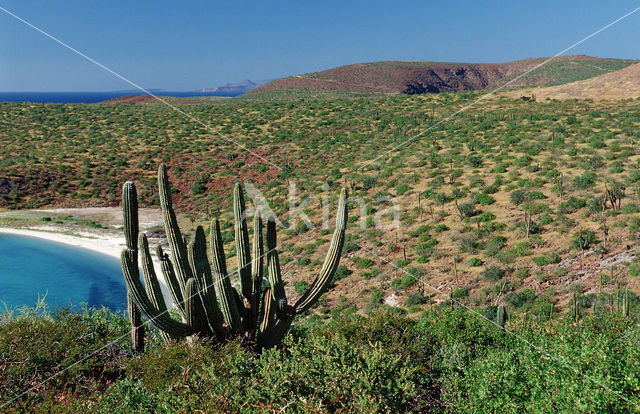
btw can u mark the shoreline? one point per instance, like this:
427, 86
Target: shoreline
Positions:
110, 245
103, 242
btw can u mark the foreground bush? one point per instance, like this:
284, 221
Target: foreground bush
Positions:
446, 361
71, 351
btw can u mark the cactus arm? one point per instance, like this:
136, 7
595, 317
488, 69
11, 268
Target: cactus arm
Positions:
130, 214
151, 283
130, 224
204, 281
194, 310
161, 319
267, 313
257, 255
242, 242
501, 316
172, 281
253, 303
331, 261
176, 242
625, 307
223, 287
137, 328
273, 268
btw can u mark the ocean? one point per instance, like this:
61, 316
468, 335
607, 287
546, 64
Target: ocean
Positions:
89, 97
31, 267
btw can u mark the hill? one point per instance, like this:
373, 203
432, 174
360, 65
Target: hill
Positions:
624, 83
392, 77
464, 192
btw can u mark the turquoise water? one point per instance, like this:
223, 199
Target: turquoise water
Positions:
68, 275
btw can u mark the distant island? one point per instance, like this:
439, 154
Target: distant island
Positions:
234, 89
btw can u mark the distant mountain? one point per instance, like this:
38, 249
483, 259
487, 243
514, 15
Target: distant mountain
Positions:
233, 89
394, 77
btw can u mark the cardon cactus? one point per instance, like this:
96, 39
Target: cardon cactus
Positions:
202, 291
501, 316
625, 306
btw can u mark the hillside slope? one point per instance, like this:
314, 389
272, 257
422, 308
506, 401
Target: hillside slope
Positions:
624, 83
432, 77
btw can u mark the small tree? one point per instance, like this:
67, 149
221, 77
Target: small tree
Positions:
530, 211
583, 240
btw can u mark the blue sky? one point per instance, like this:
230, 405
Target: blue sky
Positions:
174, 46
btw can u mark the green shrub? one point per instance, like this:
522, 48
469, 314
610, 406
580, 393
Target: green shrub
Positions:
363, 263
522, 249
585, 181
546, 219
440, 228
494, 273
486, 217
303, 261
402, 188
404, 282
483, 199
341, 273
571, 205
583, 239
415, 299
467, 210
460, 293
301, 286
519, 299
371, 274
37, 346
630, 208
518, 197
540, 261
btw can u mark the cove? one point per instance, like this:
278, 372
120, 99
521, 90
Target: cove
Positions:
32, 267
